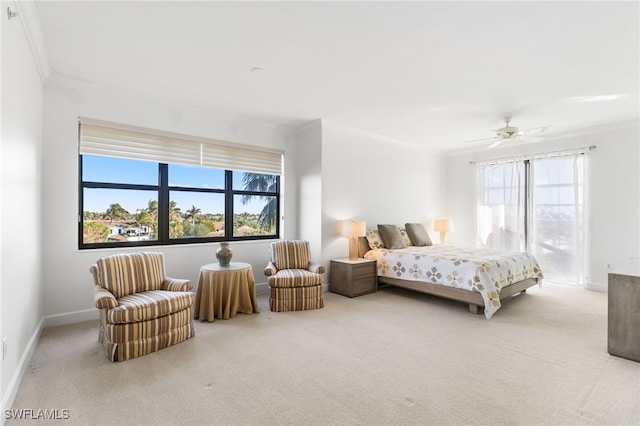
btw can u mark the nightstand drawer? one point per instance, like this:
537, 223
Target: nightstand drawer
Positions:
366, 269
363, 285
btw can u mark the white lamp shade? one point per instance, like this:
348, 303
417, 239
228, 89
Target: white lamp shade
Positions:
443, 225
354, 228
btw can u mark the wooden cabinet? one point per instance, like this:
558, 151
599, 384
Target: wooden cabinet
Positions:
624, 316
353, 278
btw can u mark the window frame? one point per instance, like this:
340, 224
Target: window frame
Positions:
163, 190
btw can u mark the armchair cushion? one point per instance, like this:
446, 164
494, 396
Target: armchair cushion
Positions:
149, 305
295, 278
124, 274
291, 254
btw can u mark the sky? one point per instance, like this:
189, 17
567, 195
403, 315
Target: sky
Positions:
116, 170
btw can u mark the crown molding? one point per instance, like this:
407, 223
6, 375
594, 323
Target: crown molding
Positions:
28, 16
381, 138
594, 129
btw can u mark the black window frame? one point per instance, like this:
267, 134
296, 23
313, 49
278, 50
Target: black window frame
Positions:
163, 189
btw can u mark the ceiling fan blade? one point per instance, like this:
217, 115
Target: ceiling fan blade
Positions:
536, 131
510, 133
481, 140
496, 143
529, 138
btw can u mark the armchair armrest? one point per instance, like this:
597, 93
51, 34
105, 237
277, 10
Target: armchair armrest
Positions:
270, 269
104, 299
317, 268
94, 273
176, 284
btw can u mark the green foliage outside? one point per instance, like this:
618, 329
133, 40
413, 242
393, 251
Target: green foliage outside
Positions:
93, 232
191, 223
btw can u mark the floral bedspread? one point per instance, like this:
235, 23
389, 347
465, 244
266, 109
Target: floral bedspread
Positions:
475, 269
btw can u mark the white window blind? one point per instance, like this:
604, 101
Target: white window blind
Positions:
242, 159
121, 141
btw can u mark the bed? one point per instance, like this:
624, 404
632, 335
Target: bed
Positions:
482, 278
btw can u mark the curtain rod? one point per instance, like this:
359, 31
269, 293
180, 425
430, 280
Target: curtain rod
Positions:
549, 154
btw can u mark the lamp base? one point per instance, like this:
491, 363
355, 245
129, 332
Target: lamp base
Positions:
443, 238
353, 248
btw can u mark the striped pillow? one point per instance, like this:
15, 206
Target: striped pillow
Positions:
290, 254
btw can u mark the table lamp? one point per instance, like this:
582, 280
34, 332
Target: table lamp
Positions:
353, 229
443, 226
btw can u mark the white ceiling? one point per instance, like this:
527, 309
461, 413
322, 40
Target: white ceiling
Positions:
433, 74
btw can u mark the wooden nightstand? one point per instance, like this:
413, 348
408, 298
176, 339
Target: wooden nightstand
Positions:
353, 278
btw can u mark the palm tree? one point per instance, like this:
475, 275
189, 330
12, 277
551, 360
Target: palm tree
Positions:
192, 214
152, 210
175, 220
116, 211
174, 212
262, 183
144, 218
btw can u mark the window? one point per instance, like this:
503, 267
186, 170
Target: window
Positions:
537, 205
128, 200
500, 207
558, 219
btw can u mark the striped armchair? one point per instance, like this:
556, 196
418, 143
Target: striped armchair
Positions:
141, 310
295, 282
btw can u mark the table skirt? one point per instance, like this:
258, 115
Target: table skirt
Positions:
222, 294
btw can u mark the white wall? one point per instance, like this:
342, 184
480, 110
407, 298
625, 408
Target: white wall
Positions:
331, 173
375, 179
309, 173
68, 287
21, 208
614, 194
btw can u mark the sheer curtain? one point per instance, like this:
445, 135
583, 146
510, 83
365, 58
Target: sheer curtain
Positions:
501, 204
558, 237
538, 204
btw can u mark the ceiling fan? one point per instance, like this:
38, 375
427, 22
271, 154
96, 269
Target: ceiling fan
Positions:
508, 134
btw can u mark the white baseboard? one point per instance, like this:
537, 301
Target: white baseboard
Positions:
70, 317
16, 379
597, 287
588, 286
262, 288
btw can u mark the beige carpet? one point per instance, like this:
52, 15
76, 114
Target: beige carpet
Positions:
392, 357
